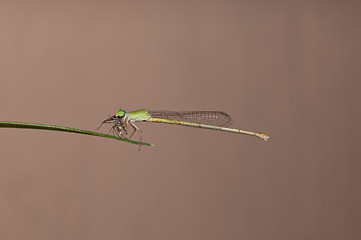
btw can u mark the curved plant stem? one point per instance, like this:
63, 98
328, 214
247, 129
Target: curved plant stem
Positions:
64, 129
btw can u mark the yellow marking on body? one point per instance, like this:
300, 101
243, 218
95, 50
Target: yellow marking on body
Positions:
200, 125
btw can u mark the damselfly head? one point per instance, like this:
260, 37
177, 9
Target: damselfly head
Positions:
121, 113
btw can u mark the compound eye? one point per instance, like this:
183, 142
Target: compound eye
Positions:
121, 113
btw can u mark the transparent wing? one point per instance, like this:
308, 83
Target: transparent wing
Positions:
215, 118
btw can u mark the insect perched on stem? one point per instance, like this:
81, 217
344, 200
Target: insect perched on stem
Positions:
215, 120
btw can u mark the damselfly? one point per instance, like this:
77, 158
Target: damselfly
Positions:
201, 119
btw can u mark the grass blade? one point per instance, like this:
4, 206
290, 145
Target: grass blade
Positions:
64, 129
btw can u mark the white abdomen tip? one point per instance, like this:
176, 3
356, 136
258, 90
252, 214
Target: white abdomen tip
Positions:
263, 136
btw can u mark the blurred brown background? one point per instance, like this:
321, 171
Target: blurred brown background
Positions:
287, 68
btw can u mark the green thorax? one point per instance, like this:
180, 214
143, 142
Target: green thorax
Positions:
139, 115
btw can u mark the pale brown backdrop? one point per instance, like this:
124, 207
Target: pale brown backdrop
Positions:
288, 68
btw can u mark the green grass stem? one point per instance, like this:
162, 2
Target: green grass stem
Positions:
65, 129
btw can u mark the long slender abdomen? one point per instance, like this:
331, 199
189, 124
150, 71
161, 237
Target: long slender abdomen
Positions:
200, 125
